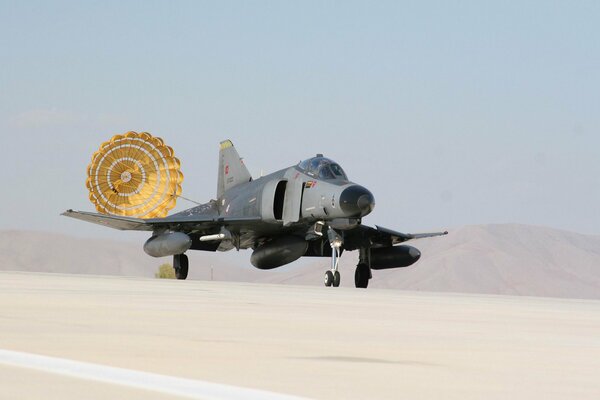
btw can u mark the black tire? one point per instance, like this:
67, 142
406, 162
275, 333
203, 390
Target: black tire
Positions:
181, 265
336, 279
362, 276
328, 278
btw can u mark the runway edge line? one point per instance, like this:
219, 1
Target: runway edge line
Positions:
183, 387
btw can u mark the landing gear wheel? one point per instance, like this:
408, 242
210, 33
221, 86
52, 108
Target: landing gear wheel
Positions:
362, 276
328, 278
180, 264
336, 279
336, 241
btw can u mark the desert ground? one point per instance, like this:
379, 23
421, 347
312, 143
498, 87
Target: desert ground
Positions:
312, 342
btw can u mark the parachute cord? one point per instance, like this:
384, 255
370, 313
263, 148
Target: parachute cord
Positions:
190, 200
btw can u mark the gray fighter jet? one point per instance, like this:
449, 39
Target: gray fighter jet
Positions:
311, 209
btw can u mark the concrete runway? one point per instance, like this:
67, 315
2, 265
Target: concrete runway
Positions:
312, 342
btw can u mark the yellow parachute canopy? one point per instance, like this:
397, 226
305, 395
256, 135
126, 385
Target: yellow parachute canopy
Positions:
134, 175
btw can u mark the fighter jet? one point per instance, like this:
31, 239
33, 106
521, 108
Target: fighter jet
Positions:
310, 209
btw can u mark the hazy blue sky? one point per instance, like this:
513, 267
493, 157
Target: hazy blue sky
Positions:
452, 113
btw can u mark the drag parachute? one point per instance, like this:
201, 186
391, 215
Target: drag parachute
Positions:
134, 175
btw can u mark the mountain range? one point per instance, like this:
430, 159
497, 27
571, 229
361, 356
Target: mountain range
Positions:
508, 259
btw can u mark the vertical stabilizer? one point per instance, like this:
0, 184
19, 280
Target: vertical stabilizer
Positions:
232, 170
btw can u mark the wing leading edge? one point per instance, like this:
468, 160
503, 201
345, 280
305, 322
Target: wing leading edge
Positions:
378, 237
112, 221
399, 237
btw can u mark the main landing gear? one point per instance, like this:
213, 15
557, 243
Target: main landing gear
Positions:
180, 264
362, 276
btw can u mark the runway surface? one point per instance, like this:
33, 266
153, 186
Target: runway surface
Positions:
303, 341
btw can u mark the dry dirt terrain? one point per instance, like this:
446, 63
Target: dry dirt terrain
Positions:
313, 342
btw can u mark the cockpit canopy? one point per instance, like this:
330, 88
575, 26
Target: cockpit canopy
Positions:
323, 168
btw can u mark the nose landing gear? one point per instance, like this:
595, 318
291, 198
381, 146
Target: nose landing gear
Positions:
332, 277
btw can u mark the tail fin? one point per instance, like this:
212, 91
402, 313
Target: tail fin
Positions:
232, 170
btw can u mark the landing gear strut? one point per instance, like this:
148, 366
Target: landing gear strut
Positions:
332, 277
180, 264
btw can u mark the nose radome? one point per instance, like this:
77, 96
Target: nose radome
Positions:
356, 201
366, 202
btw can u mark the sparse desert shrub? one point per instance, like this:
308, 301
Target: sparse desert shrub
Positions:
165, 271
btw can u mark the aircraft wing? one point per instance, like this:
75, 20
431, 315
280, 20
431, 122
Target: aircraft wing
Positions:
399, 237
112, 221
384, 237
183, 223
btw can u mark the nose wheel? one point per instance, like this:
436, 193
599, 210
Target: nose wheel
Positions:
332, 277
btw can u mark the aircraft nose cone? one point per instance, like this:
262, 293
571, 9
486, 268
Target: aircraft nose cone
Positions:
356, 201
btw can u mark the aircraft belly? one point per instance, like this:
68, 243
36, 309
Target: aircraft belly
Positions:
250, 236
